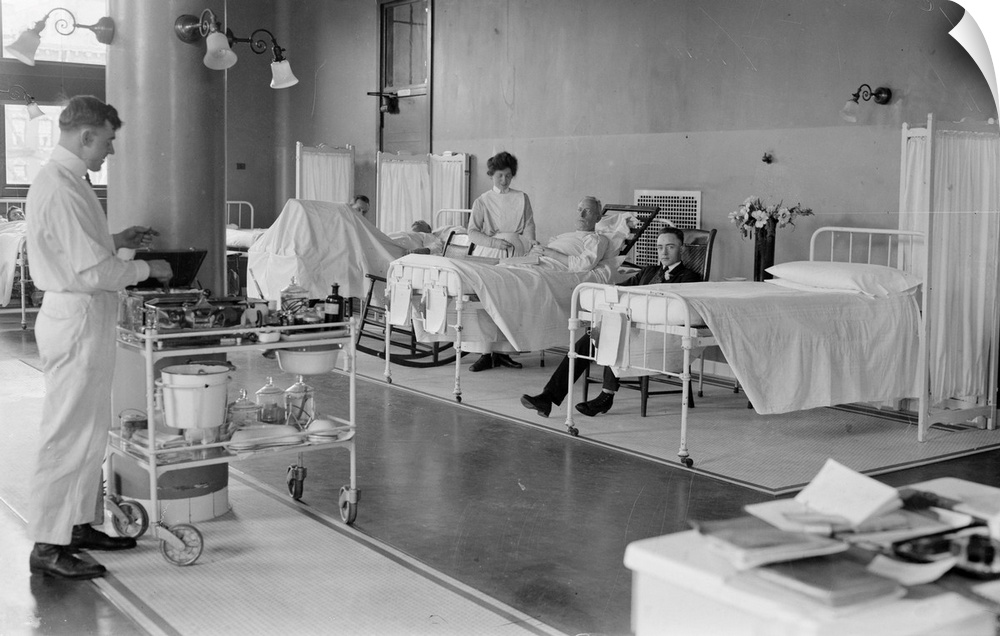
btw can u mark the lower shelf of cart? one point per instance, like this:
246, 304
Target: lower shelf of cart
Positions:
167, 460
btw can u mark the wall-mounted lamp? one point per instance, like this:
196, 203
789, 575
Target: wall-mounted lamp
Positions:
882, 95
219, 54
17, 93
26, 44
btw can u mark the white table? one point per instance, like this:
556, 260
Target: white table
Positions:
680, 586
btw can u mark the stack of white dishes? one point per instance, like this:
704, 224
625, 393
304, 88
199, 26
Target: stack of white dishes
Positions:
264, 436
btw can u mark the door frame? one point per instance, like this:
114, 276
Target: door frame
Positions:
387, 97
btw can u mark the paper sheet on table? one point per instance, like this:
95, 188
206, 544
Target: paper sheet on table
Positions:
399, 303
908, 573
837, 490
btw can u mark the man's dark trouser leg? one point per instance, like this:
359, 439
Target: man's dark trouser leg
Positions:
558, 385
611, 381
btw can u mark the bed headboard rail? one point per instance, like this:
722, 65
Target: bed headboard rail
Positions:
238, 211
893, 248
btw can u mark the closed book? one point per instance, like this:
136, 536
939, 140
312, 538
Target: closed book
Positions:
747, 542
833, 581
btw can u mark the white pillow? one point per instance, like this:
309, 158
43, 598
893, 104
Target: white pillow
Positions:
784, 282
874, 280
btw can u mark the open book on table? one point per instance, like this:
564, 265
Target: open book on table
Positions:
840, 501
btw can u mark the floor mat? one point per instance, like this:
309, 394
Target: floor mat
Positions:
776, 454
268, 555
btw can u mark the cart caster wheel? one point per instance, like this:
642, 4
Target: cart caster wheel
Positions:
193, 545
574, 431
388, 380
687, 461
295, 477
701, 394
348, 510
136, 524
458, 398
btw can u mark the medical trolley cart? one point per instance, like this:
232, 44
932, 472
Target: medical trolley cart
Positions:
182, 543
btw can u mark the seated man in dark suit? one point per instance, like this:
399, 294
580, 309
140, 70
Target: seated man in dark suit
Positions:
668, 270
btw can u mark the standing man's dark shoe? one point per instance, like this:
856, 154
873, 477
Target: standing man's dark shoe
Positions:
504, 360
484, 362
56, 561
87, 537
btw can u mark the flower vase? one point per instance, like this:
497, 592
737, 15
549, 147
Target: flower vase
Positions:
763, 251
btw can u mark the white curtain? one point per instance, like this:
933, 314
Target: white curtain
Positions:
325, 175
448, 180
404, 193
965, 238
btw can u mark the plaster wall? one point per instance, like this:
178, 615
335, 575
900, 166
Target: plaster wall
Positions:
603, 98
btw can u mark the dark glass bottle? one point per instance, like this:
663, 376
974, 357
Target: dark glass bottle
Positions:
333, 308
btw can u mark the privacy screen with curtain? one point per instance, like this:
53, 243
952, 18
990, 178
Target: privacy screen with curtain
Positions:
950, 188
414, 187
324, 173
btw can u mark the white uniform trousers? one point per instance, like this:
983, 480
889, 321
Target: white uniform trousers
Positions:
76, 341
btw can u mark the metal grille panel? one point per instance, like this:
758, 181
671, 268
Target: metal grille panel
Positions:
681, 208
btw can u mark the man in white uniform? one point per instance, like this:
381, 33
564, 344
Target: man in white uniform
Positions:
73, 260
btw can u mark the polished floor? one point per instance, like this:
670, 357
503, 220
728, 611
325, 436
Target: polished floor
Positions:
536, 519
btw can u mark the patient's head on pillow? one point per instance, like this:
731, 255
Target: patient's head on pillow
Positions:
588, 213
421, 226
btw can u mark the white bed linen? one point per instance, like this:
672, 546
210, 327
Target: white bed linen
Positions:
793, 350
526, 306
242, 238
319, 243
12, 236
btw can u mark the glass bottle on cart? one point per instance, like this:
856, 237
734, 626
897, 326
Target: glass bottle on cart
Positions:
334, 306
271, 401
300, 405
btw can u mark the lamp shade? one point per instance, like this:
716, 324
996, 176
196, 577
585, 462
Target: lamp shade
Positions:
34, 112
219, 56
850, 111
281, 75
25, 46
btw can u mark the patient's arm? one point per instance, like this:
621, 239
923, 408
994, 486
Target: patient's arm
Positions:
577, 251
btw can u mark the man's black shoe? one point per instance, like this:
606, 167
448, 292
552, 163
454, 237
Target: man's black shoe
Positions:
484, 362
87, 537
540, 403
55, 560
504, 360
600, 404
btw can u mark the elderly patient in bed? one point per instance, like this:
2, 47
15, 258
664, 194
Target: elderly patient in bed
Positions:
577, 251
419, 240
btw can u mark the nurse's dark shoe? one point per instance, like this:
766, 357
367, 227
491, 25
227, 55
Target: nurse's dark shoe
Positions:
56, 561
504, 360
600, 404
87, 537
484, 362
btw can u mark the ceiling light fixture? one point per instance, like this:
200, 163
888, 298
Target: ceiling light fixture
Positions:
219, 54
18, 93
881, 95
24, 47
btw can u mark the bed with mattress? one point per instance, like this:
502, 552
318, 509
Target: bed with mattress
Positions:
481, 305
823, 332
321, 243
17, 293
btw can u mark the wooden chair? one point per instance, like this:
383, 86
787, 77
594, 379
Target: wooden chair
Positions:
696, 254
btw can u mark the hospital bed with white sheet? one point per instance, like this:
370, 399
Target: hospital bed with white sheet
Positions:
840, 328
15, 277
480, 306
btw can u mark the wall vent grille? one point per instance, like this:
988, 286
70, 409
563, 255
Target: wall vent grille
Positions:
682, 208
